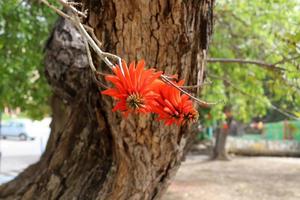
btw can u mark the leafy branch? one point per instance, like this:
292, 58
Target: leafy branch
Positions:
235, 87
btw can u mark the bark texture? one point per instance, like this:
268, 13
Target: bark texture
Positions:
92, 152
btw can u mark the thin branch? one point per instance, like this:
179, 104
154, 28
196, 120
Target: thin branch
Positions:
101, 73
91, 31
243, 61
272, 66
75, 20
173, 77
283, 60
70, 5
252, 96
90, 60
92, 66
164, 78
59, 12
94, 46
200, 75
103, 55
284, 112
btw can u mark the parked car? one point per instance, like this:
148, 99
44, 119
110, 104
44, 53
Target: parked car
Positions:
21, 129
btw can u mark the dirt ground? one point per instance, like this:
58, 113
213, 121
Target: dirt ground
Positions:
242, 178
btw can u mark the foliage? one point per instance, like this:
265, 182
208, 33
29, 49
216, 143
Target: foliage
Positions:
24, 28
267, 31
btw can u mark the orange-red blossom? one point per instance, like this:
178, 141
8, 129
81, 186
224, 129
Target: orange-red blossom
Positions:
172, 106
138, 90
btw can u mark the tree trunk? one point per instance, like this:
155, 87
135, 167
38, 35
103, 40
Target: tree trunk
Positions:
94, 153
219, 150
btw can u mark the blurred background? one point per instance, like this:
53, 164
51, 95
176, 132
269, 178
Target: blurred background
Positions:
247, 147
22, 142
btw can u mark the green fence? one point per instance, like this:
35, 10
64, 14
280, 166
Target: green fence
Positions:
284, 130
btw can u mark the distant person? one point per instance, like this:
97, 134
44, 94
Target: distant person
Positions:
260, 127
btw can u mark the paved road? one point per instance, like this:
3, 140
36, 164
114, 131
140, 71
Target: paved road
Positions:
242, 178
17, 155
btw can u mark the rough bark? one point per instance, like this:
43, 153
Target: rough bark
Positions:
94, 153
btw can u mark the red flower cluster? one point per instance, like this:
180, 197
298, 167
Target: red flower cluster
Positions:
173, 107
141, 91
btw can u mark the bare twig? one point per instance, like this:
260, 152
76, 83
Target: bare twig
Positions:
243, 61
91, 31
75, 20
92, 66
264, 65
94, 46
272, 66
59, 12
74, 3
202, 68
101, 73
88, 52
200, 75
284, 112
165, 79
70, 5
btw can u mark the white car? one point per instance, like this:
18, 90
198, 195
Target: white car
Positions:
20, 128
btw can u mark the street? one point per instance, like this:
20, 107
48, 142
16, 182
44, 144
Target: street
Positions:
17, 155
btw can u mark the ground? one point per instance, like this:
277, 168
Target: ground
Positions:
242, 178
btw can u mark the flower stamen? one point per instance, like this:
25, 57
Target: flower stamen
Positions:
134, 101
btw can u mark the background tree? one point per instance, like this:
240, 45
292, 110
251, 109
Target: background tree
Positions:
94, 153
24, 28
254, 61
254, 58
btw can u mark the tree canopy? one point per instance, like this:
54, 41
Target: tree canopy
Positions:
24, 28
254, 60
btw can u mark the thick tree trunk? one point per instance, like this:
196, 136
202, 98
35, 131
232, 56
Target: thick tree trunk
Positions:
92, 152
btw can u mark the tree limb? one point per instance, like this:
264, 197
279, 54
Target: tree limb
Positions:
234, 86
244, 61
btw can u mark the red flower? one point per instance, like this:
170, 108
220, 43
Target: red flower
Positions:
134, 89
172, 106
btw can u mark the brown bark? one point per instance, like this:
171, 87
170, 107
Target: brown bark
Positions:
92, 152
